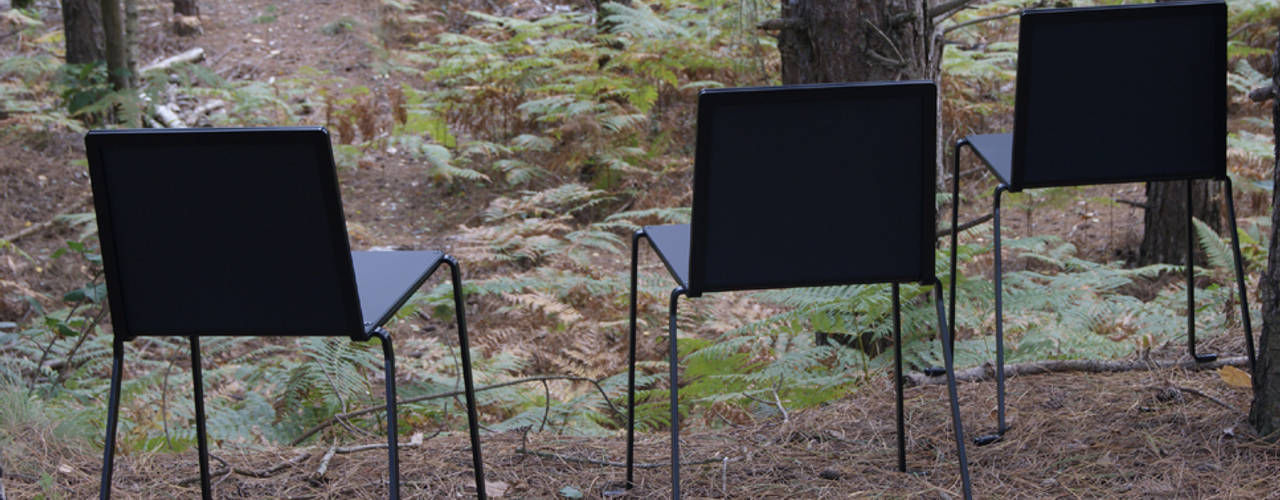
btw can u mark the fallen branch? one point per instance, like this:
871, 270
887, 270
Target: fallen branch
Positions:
988, 370
365, 411
603, 463
168, 117
1131, 203
1196, 392
265, 473
946, 231
35, 228
204, 109
415, 442
193, 55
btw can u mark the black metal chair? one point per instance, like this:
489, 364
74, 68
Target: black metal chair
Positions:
775, 169
241, 232
1107, 95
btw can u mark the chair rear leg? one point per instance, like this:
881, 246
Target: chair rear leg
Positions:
473, 421
113, 409
897, 378
1240, 286
674, 364
202, 439
393, 430
631, 362
947, 357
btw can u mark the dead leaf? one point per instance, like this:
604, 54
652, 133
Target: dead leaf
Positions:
496, 488
1236, 377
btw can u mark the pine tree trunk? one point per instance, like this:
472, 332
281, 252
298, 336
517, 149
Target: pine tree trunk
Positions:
113, 31
857, 40
1265, 412
131, 40
186, 7
186, 17
1164, 239
82, 30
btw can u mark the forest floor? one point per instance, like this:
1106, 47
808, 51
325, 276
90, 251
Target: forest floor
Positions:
1145, 434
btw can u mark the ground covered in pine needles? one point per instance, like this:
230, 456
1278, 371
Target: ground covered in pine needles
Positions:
1142, 434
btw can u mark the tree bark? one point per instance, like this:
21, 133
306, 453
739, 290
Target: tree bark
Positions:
82, 31
186, 7
131, 40
857, 40
1164, 238
113, 31
186, 17
1265, 411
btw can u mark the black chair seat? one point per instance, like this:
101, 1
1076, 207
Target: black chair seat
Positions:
385, 280
672, 244
996, 150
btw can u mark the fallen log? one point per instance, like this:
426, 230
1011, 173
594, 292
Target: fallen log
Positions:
193, 55
168, 117
988, 370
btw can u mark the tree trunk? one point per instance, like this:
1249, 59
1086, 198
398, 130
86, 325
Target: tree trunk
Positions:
113, 31
82, 30
186, 8
1265, 412
1164, 239
186, 17
857, 40
131, 40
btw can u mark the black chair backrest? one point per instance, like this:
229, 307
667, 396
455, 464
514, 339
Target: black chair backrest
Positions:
1121, 93
813, 185
223, 232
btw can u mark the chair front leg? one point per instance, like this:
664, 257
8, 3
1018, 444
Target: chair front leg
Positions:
113, 410
1191, 287
897, 378
674, 364
473, 421
631, 360
393, 430
202, 439
948, 359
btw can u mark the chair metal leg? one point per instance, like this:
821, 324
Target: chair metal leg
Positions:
631, 361
1001, 427
473, 421
1191, 287
113, 409
897, 378
947, 356
202, 439
1241, 289
393, 429
955, 224
674, 364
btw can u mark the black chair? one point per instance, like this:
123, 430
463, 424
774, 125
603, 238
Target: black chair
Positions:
1106, 95
241, 232
805, 186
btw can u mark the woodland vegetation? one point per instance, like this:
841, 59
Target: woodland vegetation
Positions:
530, 139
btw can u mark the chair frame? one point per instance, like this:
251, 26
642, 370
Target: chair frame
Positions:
690, 284
1010, 173
123, 333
